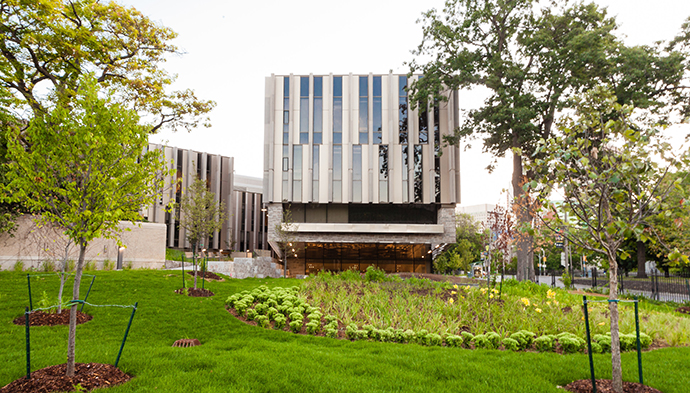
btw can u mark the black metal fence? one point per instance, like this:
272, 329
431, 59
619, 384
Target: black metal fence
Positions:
655, 286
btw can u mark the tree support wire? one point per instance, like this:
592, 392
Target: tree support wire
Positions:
28, 341
589, 340
87, 293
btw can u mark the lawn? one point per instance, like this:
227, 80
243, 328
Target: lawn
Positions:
239, 357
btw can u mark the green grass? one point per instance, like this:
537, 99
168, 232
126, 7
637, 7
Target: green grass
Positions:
235, 357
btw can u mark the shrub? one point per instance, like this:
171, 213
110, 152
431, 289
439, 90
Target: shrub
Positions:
232, 300
330, 318
350, 275
480, 341
280, 321
596, 348
370, 330
271, 313
567, 280
512, 344
362, 334
251, 314
241, 306
331, 333
332, 325
313, 327
453, 340
524, 338
494, 338
295, 316
466, 339
108, 265
47, 266
604, 341
262, 321
296, 326
408, 336
645, 340
570, 343
315, 316
261, 308
351, 332
544, 343
420, 336
18, 266
374, 274
628, 342
433, 339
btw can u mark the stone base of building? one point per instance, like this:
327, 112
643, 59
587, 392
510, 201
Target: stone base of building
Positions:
261, 267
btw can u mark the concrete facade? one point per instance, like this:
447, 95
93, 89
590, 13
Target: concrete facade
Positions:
34, 244
244, 227
338, 146
260, 267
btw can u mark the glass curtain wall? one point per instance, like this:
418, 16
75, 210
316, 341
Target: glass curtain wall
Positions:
337, 138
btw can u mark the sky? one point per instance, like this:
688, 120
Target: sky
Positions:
231, 46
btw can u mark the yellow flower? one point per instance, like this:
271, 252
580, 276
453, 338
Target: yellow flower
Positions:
455, 286
491, 296
602, 323
537, 310
550, 294
462, 297
494, 290
548, 303
555, 302
453, 292
525, 301
484, 290
451, 300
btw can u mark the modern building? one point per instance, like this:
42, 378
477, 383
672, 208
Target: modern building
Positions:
367, 179
244, 227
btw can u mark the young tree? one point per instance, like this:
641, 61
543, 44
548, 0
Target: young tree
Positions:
531, 62
201, 216
502, 226
285, 236
87, 170
614, 179
467, 248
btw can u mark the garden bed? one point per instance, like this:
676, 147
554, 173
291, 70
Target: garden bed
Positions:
41, 318
606, 386
88, 376
198, 292
206, 275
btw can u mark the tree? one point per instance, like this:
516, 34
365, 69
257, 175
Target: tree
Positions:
87, 170
285, 236
502, 226
614, 176
467, 248
48, 46
531, 62
201, 216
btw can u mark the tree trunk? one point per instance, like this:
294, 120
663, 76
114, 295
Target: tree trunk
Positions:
73, 311
194, 247
616, 369
522, 208
641, 260
62, 277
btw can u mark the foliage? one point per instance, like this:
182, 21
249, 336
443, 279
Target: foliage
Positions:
613, 176
467, 248
285, 236
374, 274
85, 172
531, 60
337, 365
544, 343
201, 215
18, 266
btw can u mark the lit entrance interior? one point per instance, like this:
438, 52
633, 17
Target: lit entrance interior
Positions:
309, 258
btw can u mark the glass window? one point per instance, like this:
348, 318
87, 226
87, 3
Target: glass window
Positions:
304, 110
297, 173
383, 173
423, 127
437, 154
315, 173
405, 171
337, 172
337, 109
377, 115
356, 173
363, 110
418, 190
286, 86
318, 109
402, 110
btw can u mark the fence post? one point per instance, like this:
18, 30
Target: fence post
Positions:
28, 282
28, 348
687, 286
183, 284
589, 346
126, 333
639, 351
620, 280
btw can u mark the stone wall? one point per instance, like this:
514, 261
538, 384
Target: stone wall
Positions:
260, 267
34, 244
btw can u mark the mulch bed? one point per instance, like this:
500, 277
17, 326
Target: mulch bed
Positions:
40, 318
436, 277
605, 386
683, 310
207, 275
195, 292
52, 379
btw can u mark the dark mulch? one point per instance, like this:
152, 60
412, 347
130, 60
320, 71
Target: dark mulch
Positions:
195, 292
52, 379
605, 386
207, 275
684, 310
40, 318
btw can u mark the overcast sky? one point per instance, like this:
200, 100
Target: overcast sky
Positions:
231, 46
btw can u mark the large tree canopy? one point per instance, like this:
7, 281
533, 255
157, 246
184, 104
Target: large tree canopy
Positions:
47, 45
532, 61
